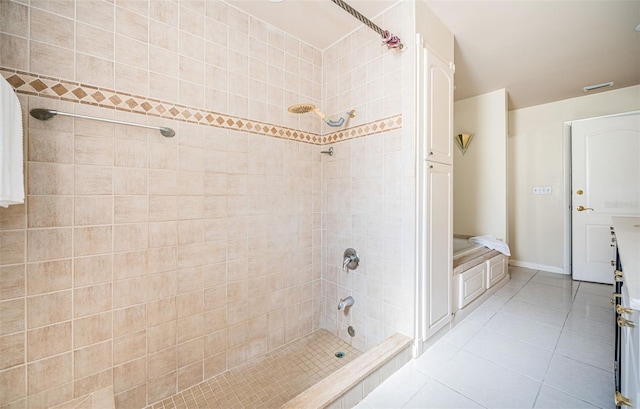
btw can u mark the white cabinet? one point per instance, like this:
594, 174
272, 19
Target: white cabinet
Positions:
434, 148
436, 109
439, 243
496, 269
470, 284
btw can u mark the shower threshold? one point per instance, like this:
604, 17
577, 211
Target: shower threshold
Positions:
269, 381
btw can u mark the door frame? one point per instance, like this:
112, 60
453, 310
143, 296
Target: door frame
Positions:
566, 141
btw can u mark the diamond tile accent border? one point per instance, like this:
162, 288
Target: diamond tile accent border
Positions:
47, 87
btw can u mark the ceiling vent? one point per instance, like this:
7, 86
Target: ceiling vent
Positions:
597, 86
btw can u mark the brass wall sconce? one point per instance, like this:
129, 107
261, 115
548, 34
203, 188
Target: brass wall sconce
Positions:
463, 140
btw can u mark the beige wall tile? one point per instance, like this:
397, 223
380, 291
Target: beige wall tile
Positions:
131, 52
190, 375
162, 182
92, 384
92, 240
49, 373
133, 398
128, 292
13, 217
12, 316
49, 179
131, 236
12, 248
163, 259
93, 150
163, 208
51, 28
49, 276
92, 300
188, 304
129, 347
94, 41
128, 320
93, 180
190, 352
92, 270
16, 18
91, 210
162, 362
130, 209
162, 387
48, 309
214, 365
94, 70
132, 25
49, 211
163, 156
129, 181
131, 153
62, 7
132, 79
50, 146
163, 61
12, 282
162, 234
13, 383
48, 244
47, 59
190, 327
14, 51
129, 264
99, 13
163, 87
161, 336
48, 341
92, 359
129, 375
161, 311
12, 350
92, 329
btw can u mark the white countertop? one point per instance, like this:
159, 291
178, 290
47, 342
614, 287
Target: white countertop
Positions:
627, 231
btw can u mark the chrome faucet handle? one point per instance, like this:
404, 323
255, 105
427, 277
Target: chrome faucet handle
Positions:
351, 260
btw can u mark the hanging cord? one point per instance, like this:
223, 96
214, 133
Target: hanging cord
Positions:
392, 41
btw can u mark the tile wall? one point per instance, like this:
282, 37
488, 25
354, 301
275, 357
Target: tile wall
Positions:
368, 186
150, 263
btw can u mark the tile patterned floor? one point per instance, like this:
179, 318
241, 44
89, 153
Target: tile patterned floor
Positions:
542, 341
268, 382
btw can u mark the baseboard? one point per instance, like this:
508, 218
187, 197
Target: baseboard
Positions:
535, 266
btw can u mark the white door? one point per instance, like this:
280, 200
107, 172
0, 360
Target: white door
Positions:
439, 240
435, 94
605, 182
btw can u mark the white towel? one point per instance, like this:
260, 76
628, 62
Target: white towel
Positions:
11, 159
492, 243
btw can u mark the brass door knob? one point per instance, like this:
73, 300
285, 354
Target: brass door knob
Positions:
623, 310
622, 400
625, 323
582, 208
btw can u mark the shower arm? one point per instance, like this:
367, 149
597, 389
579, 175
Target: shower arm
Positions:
339, 122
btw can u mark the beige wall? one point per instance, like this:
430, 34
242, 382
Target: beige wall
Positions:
150, 263
368, 187
480, 175
537, 158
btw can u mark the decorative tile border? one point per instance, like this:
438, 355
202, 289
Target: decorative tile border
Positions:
47, 87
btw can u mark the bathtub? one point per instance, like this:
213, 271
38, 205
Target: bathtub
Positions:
478, 272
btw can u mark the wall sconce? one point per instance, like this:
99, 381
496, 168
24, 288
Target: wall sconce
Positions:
463, 140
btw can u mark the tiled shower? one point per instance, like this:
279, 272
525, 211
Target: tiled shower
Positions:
151, 264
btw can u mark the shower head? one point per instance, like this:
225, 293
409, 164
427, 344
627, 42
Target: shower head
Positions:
302, 108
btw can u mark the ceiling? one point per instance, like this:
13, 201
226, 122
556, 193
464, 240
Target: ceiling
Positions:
540, 51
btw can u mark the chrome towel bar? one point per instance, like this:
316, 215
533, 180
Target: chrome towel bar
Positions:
46, 114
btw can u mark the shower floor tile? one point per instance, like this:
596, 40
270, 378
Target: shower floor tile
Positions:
269, 381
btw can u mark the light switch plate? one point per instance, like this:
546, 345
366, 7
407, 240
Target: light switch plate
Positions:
542, 190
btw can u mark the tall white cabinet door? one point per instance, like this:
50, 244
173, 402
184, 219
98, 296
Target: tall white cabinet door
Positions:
437, 108
439, 193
